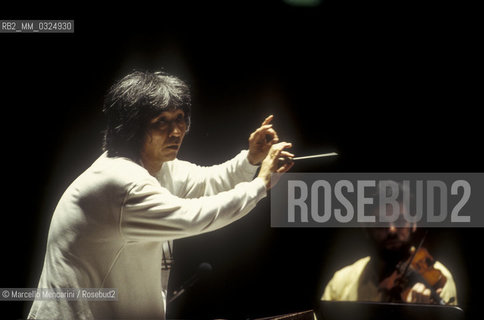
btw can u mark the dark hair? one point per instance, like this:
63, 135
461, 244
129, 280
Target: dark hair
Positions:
132, 102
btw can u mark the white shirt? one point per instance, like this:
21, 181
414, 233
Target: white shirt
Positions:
115, 224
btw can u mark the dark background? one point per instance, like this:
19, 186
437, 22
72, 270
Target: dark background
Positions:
391, 87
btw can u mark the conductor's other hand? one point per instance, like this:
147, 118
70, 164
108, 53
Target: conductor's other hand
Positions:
261, 140
271, 163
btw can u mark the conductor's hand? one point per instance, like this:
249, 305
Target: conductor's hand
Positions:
261, 140
271, 163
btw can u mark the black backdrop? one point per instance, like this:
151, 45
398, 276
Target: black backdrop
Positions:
391, 87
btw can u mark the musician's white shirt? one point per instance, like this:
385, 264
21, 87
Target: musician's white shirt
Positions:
114, 226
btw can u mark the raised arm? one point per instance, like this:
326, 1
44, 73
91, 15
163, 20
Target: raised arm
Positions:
204, 181
150, 212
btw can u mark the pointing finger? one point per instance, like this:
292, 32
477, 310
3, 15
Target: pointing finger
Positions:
268, 120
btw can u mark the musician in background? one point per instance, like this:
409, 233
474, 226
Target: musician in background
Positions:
371, 278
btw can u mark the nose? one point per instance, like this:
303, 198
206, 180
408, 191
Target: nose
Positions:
175, 130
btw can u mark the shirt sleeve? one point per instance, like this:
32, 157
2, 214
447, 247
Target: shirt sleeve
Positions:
449, 291
334, 290
150, 212
329, 292
205, 181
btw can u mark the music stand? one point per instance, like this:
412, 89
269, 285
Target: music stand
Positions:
342, 310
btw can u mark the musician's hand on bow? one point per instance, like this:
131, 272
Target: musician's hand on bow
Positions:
419, 293
261, 140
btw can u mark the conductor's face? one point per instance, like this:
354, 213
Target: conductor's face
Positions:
164, 137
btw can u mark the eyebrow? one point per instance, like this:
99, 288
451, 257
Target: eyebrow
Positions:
177, 112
